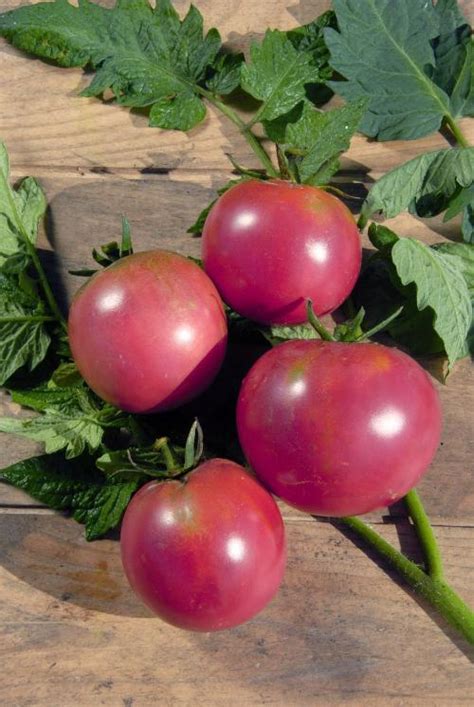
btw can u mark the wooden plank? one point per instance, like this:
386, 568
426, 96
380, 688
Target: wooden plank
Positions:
91, 134
339, 629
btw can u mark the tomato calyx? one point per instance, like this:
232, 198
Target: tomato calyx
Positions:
109, 253
162, 460
351, 330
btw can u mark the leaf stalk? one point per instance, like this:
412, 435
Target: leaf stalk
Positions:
434, 590
244, 129
53, 305
455, 131
426, 536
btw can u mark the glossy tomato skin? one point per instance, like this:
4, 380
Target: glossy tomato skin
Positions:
148, 333
207, 554
269, 246
338, 429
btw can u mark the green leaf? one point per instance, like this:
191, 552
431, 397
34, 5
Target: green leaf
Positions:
315, 139
441, 286
278, 334
24, 340
462, 98
153, 461
453, 71
66, 375
381, 291
177, 112
69, 419
194, 446
26, 202
414, 329
109, 253
145, 56
425, 184
277, 74
382, 237
462, 199
351, 329
467, 227
44, 396
74, 486
126, 247
383, 50
109, 506
226, 72
464, 255
310, 39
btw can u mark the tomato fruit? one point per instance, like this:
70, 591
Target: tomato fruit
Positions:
338, 429
270, 246
204, 554
149, 332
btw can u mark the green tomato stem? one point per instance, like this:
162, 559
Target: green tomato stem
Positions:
456, 131
245, 130
437, 592
317, 325
161, 445
426, 536
53, 305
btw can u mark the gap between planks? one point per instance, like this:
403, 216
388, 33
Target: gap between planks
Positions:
103, 171
384, 521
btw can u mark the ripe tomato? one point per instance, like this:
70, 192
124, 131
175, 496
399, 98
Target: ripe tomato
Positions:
148, 333
206, 554
270, 246
338, 429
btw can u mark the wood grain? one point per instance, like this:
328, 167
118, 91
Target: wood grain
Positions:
340, 630
90, 134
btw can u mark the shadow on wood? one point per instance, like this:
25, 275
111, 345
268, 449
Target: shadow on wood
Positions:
408, 543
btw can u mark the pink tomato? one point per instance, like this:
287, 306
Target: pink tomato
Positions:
206, 554
148, 333
336, 428
270, 246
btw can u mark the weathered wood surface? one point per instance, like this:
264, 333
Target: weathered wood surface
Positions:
340, 629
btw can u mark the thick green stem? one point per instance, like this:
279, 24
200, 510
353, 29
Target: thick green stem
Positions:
431, 552
14, 319
251, 138
318, 326
435, 591
456, 131
53, 305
